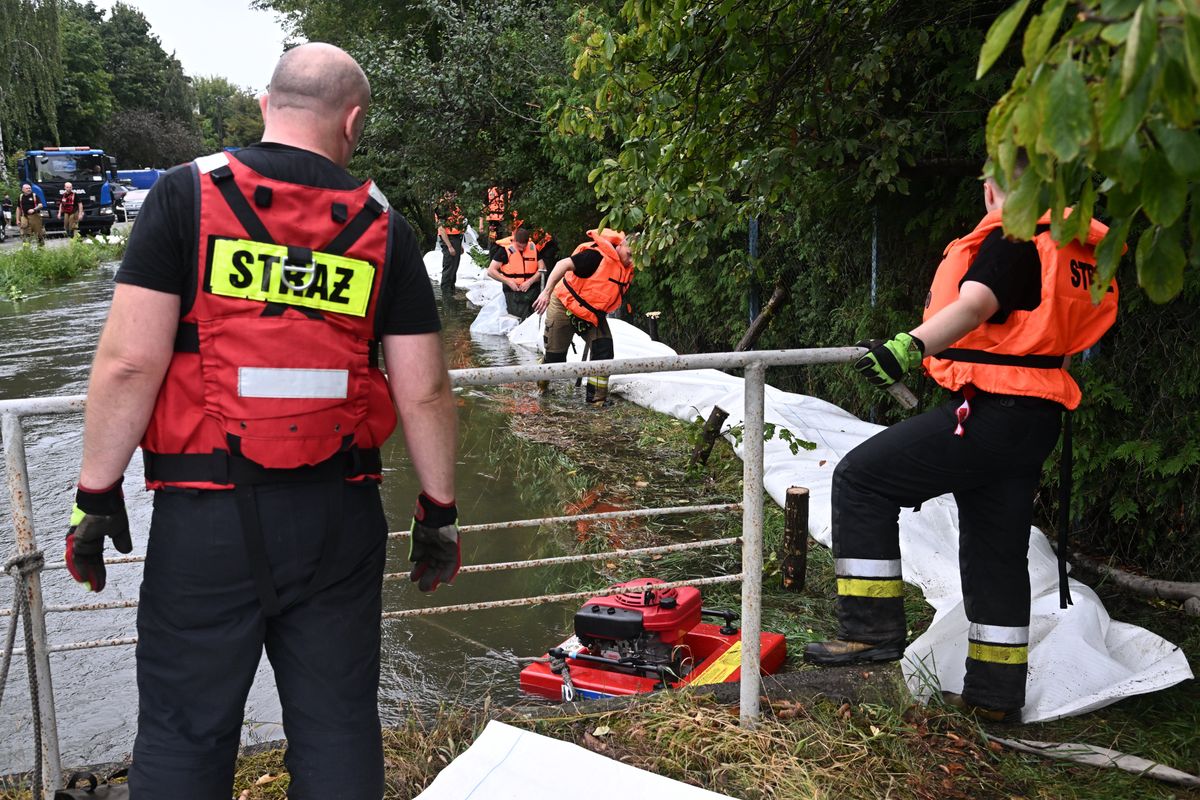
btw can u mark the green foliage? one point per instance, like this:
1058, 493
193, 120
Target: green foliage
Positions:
85, 96
147, 139
28, 267
29, 49
229, 115
144, 76
1112, 91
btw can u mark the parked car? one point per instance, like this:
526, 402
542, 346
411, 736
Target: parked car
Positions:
133, 202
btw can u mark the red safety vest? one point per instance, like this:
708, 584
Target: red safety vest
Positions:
522, 263
67, 203
274, 363
594, 297
1025, 354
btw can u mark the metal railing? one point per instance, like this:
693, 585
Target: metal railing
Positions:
755, 365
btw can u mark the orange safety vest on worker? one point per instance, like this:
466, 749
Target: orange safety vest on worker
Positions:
496, 202
274, 363
1025, 354
522, 262
594, 297
453, 222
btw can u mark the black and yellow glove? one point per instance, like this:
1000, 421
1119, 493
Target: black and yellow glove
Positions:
98, 514
433, 543
887, 361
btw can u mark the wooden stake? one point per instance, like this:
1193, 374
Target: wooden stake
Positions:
708, 437
795, 539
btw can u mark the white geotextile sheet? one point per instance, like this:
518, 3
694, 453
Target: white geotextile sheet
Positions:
1079, 658
507, 763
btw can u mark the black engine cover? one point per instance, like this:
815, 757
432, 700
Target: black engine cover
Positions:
607, 622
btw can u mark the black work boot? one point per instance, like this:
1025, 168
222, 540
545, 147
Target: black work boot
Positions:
1010, 716
841, 652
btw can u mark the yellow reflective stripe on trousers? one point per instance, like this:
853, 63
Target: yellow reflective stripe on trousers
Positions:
863, 587
258, 271
998, 653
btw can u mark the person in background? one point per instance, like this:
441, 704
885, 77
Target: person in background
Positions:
261, 413
582, 290
70, 209
29, 215
494, 206
1001, 322
547, 247
515, 264
6, 206
450, 223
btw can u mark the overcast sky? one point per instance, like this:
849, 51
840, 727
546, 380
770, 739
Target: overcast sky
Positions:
216, 37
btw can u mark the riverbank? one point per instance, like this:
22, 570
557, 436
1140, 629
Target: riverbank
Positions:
27, 267
863, 739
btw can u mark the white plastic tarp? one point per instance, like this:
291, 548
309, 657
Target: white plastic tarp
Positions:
507, 763
1079, 658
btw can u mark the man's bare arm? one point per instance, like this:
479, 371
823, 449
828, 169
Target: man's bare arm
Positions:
975, 304
420, 387
560, 269
134, 351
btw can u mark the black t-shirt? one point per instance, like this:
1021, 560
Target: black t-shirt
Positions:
162, 246
28, 202
586, 262
549, 253
1012, 270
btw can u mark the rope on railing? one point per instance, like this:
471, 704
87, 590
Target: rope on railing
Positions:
20, 567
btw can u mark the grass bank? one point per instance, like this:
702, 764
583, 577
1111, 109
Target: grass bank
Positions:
28, 267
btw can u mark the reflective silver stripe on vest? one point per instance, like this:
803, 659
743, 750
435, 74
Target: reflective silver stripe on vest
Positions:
998, 634
378, 194
868, 568
292, 383
207, 164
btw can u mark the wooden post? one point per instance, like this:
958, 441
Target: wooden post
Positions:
712, 429
795, 538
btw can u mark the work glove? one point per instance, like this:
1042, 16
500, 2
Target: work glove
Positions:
97, 514
887, 361
433, 543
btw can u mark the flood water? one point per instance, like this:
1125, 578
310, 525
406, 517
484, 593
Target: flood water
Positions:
46, 346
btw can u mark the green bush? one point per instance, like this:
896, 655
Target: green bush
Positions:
28, 267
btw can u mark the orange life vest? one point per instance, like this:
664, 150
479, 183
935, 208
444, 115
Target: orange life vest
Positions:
1025, 354
522, 262
594, 297
453, 222
274, 363
496, 201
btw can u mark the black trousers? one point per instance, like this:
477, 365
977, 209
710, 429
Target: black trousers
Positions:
520, 304
201, 633
450, 262
993, 472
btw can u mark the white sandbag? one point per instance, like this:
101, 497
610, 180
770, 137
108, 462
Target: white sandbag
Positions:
1079, 658
493, 318
507, 763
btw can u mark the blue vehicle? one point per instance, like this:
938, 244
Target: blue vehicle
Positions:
140, 178
93, 176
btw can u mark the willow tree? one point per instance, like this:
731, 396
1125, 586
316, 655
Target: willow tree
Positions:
29, 68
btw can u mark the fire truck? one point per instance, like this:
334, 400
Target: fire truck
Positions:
93, 176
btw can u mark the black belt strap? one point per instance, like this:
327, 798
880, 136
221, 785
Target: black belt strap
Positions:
224, 468
256, 550
187, 338
1065, 480
599, 314
1001, 359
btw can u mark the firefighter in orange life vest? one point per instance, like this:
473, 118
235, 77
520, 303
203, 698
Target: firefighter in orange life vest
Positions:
494, 207
515, 264
248, 367
580, 293
1001, 322
450, 223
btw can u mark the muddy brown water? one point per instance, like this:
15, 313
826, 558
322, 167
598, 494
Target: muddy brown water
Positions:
46, 346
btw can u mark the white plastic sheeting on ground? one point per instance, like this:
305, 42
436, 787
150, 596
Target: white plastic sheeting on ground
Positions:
1079, 658
507, 763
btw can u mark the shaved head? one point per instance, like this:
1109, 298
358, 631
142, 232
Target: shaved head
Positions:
318, 78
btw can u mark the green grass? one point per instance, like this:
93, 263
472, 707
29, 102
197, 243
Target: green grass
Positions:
28, 267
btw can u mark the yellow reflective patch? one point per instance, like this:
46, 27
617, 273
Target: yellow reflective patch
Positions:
864, 587
998, 654
722, 668
258, 271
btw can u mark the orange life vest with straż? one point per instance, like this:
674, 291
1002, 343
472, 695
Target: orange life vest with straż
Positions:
594, 297
274, 363
1026, 354
522, 261
453, 222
